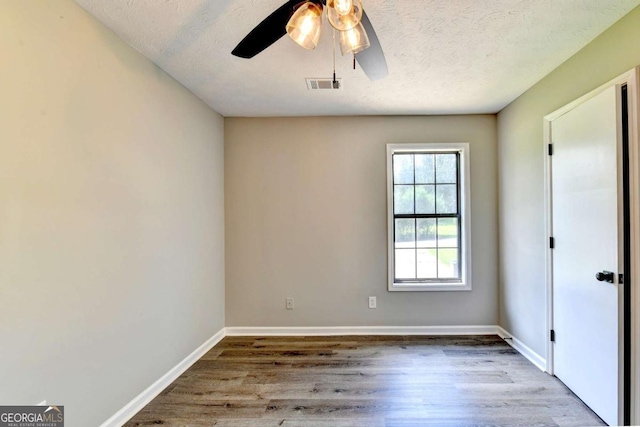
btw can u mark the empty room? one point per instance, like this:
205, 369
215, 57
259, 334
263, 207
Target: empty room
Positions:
323, 213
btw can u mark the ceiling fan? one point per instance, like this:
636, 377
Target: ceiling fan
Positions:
302, 20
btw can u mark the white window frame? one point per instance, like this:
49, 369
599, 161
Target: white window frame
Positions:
465, 213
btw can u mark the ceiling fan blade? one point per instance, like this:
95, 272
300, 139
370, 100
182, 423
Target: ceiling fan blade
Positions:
372, 60
267, 32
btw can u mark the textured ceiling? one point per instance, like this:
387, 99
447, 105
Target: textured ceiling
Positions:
444, 56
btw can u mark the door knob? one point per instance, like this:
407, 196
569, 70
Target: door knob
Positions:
605, 276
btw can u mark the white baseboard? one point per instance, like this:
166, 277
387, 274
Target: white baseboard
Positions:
362, 330
523, 349
140, 401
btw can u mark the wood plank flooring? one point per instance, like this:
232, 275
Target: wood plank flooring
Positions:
365, 382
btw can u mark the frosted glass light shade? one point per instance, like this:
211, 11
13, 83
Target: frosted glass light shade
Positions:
344, 22
305, 25
354, 40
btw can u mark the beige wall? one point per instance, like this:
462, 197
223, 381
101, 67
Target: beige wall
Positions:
521, 171
111, 215
305, 209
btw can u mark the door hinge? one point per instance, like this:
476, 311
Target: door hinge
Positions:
552, 336
621, 279
550, 148
552, 243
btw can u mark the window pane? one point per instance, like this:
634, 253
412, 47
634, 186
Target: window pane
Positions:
403, 199
446, 169
405, 264
447, 199
448, 263
426, 233
403, 168
425, 199
448, 233
425, 172
427, 264
405, 233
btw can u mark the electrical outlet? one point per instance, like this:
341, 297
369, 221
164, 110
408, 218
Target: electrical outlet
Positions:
289, 303
372, 302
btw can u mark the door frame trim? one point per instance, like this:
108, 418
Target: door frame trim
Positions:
632, 80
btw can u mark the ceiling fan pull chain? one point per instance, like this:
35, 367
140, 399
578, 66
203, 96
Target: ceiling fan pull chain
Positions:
335, 81
333, 45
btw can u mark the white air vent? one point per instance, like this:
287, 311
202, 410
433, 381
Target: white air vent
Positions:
322, 84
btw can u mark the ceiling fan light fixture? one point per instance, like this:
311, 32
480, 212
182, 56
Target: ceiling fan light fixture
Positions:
354, 40
341, 21
305, 25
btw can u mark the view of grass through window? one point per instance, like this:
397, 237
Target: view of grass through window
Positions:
426, 216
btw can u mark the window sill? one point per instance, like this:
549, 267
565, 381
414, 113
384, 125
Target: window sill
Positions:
429, 287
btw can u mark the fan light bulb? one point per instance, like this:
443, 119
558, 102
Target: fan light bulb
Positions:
305, 25
354, 40
353, 37
340, 20
343, 7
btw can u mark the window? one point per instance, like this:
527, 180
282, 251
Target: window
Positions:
428, 217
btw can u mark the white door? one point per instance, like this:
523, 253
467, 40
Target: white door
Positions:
585, 202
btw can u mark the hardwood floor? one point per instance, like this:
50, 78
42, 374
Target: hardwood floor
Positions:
365, 382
